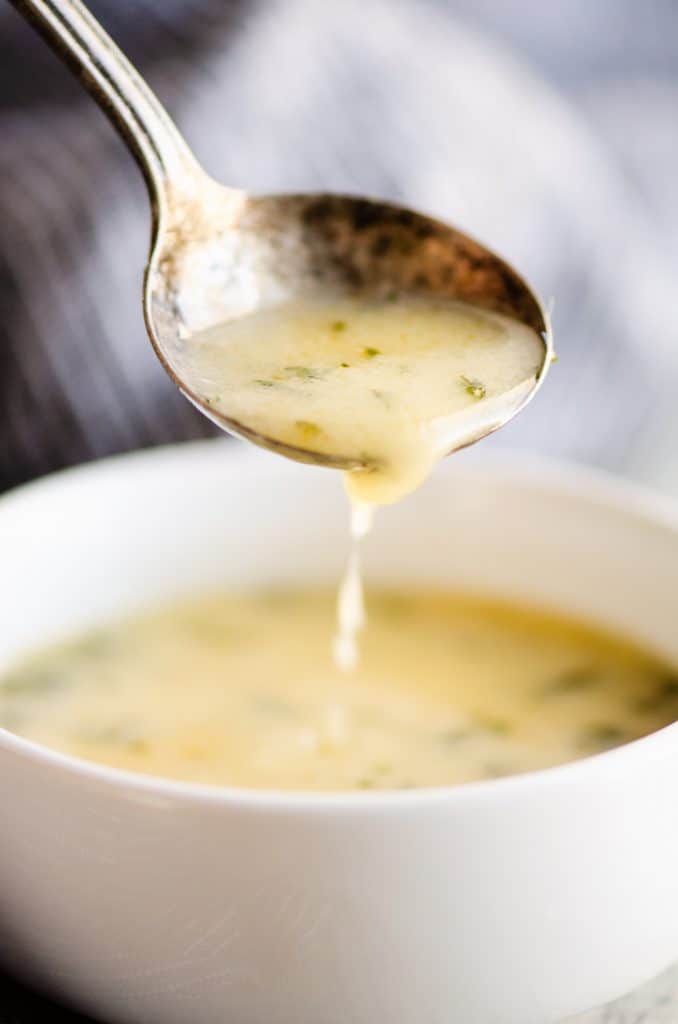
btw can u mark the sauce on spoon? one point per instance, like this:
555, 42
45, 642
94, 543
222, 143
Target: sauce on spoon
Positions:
392, 385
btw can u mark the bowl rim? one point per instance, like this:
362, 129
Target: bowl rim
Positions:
594, 486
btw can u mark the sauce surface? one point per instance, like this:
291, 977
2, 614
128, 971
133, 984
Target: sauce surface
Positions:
241, 690
395, 385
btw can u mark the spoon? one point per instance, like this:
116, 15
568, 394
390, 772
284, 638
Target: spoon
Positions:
218, 254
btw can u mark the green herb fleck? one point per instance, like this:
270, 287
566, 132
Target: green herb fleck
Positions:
573, 681
370, 352
303, 372
34, 680
307, 428
345, 365
391, 296
669, 688
499, 726
264, 383
382, 397
365, 783
664, 697
475, 388
554, 358
338, 326
602, 736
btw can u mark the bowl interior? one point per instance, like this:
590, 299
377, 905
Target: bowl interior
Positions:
104, 541
452, 896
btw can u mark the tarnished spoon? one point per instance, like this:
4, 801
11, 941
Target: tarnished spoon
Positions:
218, 253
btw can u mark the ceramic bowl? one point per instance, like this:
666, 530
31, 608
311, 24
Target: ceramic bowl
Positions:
515, 901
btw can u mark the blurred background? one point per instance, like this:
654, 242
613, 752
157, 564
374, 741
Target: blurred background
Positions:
550, 130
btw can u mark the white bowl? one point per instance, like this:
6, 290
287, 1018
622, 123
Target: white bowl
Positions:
517, 901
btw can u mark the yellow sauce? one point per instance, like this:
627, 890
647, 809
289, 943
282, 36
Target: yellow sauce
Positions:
241, 690
393, 385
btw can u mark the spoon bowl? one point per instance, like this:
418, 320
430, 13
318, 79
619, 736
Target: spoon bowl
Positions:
219, 254
231, 255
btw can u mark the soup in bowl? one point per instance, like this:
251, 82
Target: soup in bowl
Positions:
397, 888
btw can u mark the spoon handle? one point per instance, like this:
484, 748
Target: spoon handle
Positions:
72, 31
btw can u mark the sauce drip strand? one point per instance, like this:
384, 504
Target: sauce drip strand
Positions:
387, 387
351, 615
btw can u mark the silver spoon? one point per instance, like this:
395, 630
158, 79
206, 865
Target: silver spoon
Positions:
218, 253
